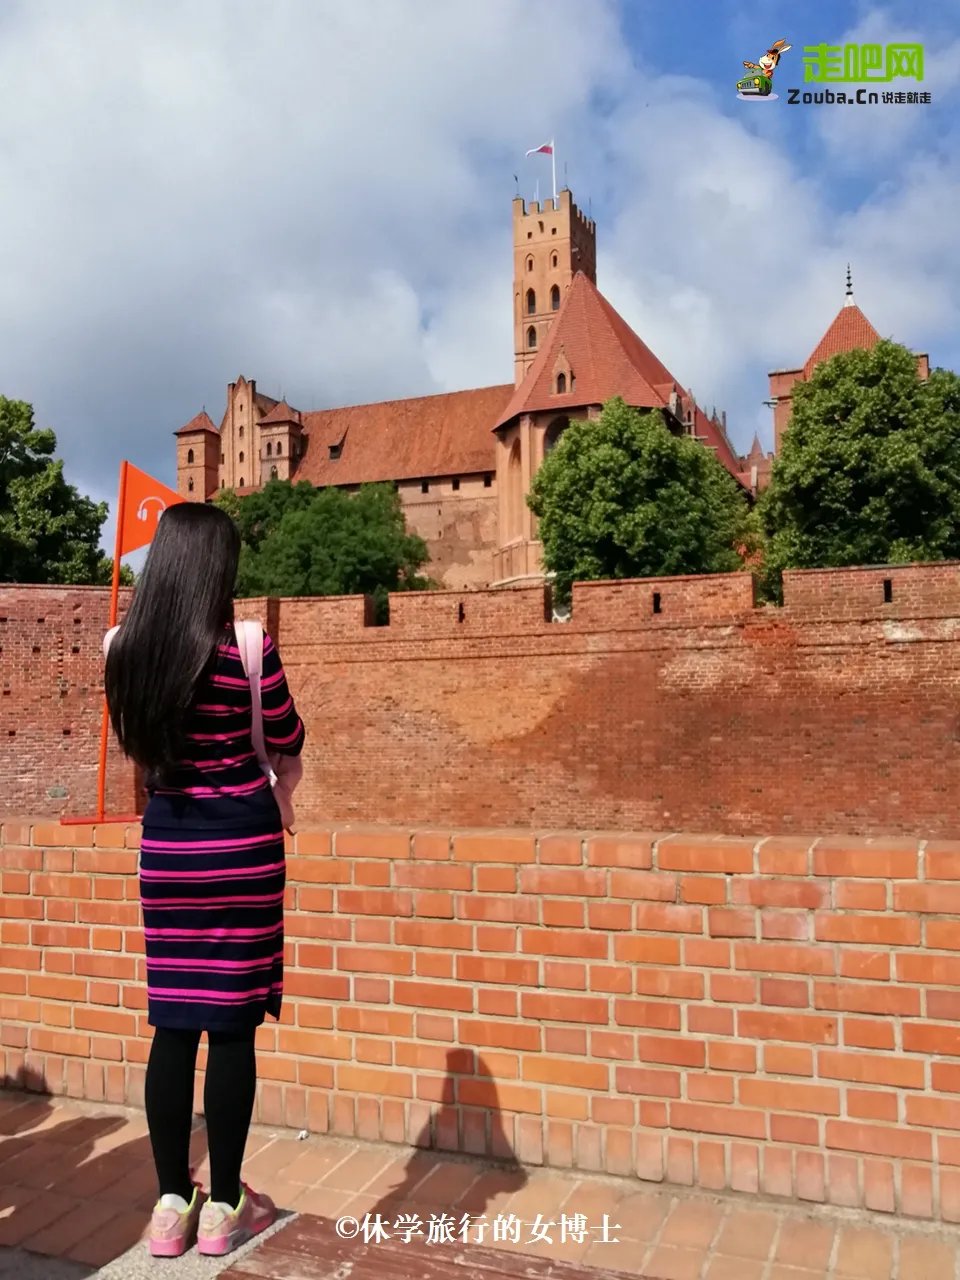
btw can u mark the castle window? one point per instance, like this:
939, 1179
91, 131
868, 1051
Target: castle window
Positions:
531, 337
488, 481
531, 303
241, 482
190, 486
553, 231
279, 448
241, 431
269, 450
424, 486
223, 484
334, 452
223, 456
241, 455
561, 384
273, 473
540, 225
554, 260
529, 264
456, 483
189, 455
555, 298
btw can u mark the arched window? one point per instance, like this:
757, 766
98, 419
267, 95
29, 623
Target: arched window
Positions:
555, 298
561, 384
554, 432
531, 303
273, 473
223, 484
529, 264
514, 506
189, 455
531, 337
241, 455
241, 482
554, 260
279, 448
190, 486
241, 431
223, 456
269, 450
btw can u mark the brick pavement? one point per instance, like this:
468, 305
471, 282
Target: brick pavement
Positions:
76, 1183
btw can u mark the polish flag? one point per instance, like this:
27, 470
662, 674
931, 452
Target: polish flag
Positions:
545, 150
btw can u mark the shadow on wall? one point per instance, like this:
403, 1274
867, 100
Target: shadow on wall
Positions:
429, 1186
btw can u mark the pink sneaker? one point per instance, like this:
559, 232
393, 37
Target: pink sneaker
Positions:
222, 1229
173, 1226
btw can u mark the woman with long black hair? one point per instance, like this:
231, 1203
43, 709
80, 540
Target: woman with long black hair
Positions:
212, 869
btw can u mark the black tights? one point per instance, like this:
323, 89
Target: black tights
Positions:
228, 1096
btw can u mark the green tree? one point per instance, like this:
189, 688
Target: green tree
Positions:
49, 532
302, 541
622, 497
869, 470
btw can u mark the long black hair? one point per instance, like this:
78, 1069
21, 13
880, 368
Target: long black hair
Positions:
169, 637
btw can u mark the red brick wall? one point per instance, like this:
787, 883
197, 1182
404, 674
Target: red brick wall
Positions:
775, 1016
667, 704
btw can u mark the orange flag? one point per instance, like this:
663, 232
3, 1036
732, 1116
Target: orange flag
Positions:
142, 503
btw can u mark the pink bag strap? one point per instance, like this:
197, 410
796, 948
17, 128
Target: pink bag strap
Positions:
250, 643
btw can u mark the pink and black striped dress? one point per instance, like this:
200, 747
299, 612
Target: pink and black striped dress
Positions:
212, 869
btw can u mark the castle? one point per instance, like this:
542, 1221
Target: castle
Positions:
463, 461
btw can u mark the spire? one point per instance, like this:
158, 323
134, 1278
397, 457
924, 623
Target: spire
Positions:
848, 301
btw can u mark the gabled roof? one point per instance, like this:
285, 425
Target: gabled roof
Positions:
200, 422
606, 357
426, 436
281, 412
849, 331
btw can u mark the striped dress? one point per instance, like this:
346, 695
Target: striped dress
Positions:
212, 869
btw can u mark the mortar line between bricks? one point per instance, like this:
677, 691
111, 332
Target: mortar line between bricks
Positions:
772, 1253
655, 1242
707, 1258
834, 1252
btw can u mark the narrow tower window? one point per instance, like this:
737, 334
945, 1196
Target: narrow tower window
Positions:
529, 264
555, 298
554, 260
561, 384
279, 448
269, 450
241, 432
189, 455
241, 482
531, 303
531, 337
241, 455
190, 486
273, 473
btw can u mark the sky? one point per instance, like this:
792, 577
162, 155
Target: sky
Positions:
316, 194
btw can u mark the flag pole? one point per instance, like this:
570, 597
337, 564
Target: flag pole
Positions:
114, 609
553, 166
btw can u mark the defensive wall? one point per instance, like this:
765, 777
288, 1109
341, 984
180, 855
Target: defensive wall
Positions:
669, 704
775, 1015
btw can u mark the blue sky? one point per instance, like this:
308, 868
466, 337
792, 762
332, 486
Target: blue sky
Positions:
317, 194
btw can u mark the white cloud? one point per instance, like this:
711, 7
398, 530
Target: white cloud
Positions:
318, 196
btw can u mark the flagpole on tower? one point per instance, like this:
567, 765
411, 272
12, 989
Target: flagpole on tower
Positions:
553, 166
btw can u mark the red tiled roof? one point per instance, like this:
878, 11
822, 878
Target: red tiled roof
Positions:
714, 437
425, 436
200, 422
606, 357
281, 413
849, 331
264, 402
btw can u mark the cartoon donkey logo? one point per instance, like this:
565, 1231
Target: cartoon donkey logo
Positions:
758, 82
